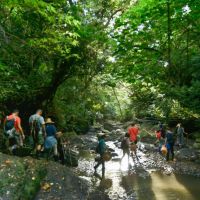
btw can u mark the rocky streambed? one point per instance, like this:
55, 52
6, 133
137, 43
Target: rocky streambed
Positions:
148, 176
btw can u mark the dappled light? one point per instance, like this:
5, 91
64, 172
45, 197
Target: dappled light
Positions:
99, 99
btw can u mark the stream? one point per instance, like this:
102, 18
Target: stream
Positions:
147, 178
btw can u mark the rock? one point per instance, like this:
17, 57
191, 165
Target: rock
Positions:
186, 154
111, 150
114, 154
196, 145
198, 140
77, 140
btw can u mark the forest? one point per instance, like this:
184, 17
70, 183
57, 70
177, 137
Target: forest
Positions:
80, 59
96, 66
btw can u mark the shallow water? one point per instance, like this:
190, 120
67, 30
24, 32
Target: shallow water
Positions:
138, 180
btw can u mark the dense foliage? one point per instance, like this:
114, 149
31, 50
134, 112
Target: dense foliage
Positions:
157, 51
81, 60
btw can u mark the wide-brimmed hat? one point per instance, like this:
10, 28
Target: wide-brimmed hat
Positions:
101, 134
49, 121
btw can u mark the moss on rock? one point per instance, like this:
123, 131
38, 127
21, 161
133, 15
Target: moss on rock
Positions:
20, 177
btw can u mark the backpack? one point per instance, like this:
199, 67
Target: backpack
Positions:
170, 137
35, 126
9, 127
163, 133
124, 144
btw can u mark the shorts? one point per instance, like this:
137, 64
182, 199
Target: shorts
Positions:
40, 140
126, 151
50, 142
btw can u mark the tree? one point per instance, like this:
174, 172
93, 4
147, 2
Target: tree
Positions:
157, 44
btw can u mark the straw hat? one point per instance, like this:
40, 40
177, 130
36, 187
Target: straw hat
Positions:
49, 121
101, 134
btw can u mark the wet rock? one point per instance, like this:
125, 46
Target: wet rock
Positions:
149, 146
77, 140
186, 154
111, 149
114, 154
196, 145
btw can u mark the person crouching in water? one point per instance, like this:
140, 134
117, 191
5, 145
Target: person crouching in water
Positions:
50, 140
125, 145
101, 148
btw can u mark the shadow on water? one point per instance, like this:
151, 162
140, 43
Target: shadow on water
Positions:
174, 187
138, 184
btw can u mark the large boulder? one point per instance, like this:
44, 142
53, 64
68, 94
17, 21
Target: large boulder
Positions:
186, 154
20, 177
196, 145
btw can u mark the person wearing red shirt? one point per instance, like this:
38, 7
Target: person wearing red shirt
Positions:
133, 131
17, 137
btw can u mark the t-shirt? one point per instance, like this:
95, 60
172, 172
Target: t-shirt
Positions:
180, 130
39, 119
133, 132
102, 146
158, 135
17, 121
170, 137
51, 130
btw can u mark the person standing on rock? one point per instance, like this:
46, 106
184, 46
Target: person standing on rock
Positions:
101, 149
13, 130
180, 135
169, 142
50, 140
38, 132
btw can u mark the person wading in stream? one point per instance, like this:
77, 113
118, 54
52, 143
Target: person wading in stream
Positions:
13, 131
100, 149
133, 132
169, 142
38, 132
125, 146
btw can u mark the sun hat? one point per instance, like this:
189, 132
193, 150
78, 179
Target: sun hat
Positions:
49, 121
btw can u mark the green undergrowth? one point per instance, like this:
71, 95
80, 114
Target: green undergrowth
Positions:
20, 178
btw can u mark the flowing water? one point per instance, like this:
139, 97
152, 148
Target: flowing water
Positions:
140, 179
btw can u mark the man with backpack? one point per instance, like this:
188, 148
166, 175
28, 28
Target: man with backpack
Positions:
37, 130
13, 130
125, 146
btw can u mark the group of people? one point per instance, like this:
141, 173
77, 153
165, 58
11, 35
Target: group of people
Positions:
42, 133
169, 137
129, 142
166, 137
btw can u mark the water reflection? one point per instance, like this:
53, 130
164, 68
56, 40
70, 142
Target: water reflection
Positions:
133, 179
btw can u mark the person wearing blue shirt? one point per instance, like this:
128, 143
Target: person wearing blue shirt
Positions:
101, 148
50, 140
169, 141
